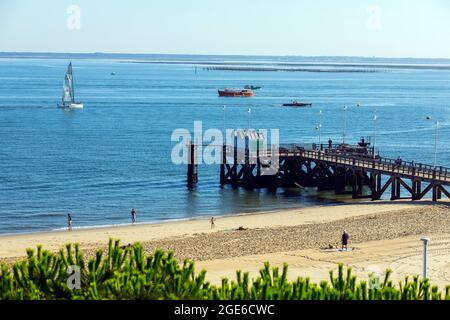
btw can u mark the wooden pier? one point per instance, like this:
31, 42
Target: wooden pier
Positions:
344, 169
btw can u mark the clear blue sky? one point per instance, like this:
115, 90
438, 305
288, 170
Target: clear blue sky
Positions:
405, 28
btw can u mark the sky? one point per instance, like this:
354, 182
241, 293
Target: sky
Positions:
376, 28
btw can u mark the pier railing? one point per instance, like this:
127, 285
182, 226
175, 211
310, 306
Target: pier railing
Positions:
333, 155
407, 168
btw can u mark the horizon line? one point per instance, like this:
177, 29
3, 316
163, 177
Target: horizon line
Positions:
221, 55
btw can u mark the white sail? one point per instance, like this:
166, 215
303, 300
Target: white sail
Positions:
67, 89
68, 97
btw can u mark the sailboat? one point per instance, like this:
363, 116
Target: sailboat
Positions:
68, 97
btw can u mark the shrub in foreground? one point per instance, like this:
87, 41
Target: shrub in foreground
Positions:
126, 273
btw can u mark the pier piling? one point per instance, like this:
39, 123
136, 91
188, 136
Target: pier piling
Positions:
192, 171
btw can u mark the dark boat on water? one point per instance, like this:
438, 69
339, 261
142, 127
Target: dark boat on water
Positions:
297, 104
252, 87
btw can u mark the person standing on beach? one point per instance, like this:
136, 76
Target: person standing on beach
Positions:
133, 216
69, 222
345, 237
212, 223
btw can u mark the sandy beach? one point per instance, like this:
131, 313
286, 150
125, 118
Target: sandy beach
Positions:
382, 235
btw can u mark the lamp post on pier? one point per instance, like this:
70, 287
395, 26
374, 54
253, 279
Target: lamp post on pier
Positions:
436, 137
319, 128
249, 118
375, 122
224, 108
345, 125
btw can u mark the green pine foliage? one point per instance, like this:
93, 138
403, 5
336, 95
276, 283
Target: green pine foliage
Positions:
126, 273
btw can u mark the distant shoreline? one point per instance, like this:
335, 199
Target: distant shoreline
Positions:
277, 69
219, 56
236, 66
277, 63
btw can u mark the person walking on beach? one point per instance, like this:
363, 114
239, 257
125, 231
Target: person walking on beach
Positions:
69, 222
133, 216
345, 237
212, 223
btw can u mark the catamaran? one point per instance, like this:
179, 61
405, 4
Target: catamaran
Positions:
68, 97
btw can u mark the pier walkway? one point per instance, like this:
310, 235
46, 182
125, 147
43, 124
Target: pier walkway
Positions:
345, 169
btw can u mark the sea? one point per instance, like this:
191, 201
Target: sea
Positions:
115, 154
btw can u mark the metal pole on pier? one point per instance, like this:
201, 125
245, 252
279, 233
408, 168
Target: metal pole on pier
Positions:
436, 137
224, 108
345, 125
375, 120
319, 127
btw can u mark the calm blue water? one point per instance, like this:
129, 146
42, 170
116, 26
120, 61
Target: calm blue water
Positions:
99, 162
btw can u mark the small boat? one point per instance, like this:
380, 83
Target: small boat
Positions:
252, 87
297, 104
113, 73
235, 93
68, 98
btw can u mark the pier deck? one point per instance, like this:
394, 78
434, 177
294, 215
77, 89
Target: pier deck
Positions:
345, 169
